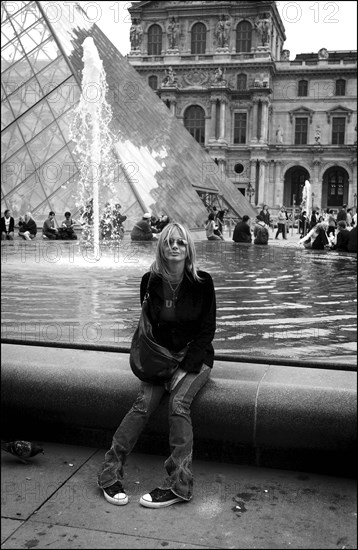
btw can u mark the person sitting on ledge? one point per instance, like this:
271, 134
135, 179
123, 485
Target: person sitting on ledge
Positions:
317, 238
7, 227
27, 227
242, 231
261, 233
352, 240
142, 230
67, 231
49, 231
211, 227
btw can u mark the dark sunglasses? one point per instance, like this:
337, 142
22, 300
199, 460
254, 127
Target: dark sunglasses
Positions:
180, 242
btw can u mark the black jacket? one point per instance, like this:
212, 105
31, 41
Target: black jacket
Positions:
195, 318
242, 233
11, 226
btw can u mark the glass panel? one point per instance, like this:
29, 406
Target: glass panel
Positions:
64, 199
6, 114
57, 171
36, 119
34, 36
27, 197
7, 33
45, 144
26, 17
65, 121
10, 8
64, 96
16, 75
11, 141
53, 75
11, 53
25, 97
44, 55
15, 170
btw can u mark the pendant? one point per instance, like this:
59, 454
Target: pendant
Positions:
168, 303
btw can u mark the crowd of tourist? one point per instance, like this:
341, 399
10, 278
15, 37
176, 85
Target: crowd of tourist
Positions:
322, 230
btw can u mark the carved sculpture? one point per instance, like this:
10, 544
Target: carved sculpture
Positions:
263, 26
173, 33
222, 31
135, 34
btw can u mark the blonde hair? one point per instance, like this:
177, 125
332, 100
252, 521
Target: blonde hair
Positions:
160, 265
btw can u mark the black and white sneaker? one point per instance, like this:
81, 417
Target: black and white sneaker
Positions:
159, 498
115, 494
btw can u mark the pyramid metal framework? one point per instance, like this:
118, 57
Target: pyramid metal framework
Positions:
157, 165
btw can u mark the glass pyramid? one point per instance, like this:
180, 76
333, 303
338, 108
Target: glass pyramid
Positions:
157, 165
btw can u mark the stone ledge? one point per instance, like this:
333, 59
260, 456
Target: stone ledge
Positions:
260, 408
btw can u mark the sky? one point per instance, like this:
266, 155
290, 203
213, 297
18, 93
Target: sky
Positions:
309, 26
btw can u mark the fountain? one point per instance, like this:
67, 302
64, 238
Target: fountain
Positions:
94, 142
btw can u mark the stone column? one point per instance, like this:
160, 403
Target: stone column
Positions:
278, 187
213, 119
264, 119
222, 119
173, 107
262, 182
255, 108
316, 184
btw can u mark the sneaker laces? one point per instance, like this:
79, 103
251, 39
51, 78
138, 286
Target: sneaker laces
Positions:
114, 489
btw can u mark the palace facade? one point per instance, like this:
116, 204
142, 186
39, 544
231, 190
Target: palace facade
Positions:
269, 122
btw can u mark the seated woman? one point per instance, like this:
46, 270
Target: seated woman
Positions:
67, 231
211, 227
342, 237
27, 227
317, 238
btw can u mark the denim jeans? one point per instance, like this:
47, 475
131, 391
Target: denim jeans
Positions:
178, 465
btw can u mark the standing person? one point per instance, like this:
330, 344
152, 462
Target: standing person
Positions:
303, 223
349, 219
211, 227
142, 230
265, 215
182, 310
314, 218
281, 223
27, 227
7, 227
342, 214
331, 223
261, 234
49, 231
242, 231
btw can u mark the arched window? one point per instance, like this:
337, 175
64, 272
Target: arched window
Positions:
241, 82
243, 37
302, 88
194, 122
198, 38
340, 87
153, 82
154, 40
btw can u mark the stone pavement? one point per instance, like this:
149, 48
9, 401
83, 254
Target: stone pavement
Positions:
54, 502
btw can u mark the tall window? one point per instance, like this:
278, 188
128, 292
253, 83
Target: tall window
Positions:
301, 131
335, 187
338, 130
198, 38
194, 122
154, 40
340, 87
240, 128
241, 82
303, 88
243, 37
153, 82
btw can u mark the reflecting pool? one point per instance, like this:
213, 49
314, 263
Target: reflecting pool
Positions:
272, 302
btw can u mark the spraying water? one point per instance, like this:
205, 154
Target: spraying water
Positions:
94, 141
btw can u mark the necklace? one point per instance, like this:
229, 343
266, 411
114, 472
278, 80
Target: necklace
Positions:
174, 287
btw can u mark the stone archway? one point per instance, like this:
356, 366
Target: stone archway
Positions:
335, 187
294, 182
